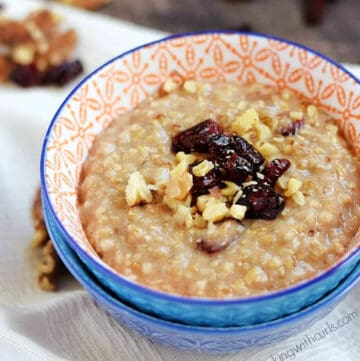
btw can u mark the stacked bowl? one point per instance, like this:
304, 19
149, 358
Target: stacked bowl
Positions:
213, 325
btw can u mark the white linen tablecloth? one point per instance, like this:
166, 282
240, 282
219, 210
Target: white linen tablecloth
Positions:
67, 325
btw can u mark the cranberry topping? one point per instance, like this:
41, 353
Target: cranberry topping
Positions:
63, 73
29, 75
236, 158
234, 168
238, 161
223, 143
202, 185
275, 169
261, 201
292, 128
26, 75
196, 138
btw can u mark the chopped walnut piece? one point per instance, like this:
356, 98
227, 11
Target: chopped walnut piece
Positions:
169, 85
293, 186
173, 81
137, 190
296, 115
262, 131
312, 113
24, 53
245, 121
237, 211
183, 216
188, 158
180, 182
268, 149
61, 46
201, 169
191, 86
215, 211
299, 198
44, 20
13, 32
50, 266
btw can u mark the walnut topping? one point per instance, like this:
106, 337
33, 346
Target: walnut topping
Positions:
230, 189
23, 54
215, 210
173, 81
180, 182
268, 149
188, 158
183, 216
245, 121
137, 190
170, 85
190, 86
262, 131
237, 211
202, 168
312, 113
232, 183
296, 115
299, 198
35, 48
50, 265
293, 186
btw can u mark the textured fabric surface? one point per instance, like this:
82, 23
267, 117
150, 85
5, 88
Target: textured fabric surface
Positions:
68, 325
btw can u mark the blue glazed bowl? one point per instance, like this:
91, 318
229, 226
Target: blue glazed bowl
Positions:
125, 80
194, 338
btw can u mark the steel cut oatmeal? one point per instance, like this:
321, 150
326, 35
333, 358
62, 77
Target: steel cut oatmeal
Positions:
220, 190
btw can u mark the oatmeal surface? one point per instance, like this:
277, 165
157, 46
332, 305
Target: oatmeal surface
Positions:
136, 227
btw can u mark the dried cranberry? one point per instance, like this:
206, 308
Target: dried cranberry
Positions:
262, 202
201, 185
223, 145
236, 158
292, 128
62, 73
275, 169
235, 168
196, 138
25, 75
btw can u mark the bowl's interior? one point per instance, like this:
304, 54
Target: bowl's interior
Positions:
123, 82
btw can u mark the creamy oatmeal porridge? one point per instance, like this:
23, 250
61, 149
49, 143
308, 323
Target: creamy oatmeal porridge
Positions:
220, 190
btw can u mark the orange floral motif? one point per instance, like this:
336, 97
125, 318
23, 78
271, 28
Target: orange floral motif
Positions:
336, 87
307, 64
220, 69
110, 106
136, 69
272, 53
121, 85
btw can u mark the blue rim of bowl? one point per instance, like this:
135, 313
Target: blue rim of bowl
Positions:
85, 278
138, 287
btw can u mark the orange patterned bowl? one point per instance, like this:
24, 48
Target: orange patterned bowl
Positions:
123, 82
